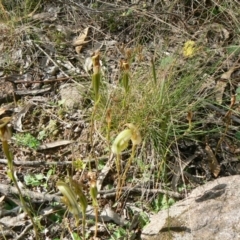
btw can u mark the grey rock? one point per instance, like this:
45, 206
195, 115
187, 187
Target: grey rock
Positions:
211, 211
72, 95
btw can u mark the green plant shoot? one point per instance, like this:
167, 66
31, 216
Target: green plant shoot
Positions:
93, 194
120, 144
96, 77
5, 135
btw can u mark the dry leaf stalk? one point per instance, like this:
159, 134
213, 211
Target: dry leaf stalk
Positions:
212, 161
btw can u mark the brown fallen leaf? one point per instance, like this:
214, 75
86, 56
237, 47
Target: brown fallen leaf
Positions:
227, 75
212, 161
78, 49
80, 40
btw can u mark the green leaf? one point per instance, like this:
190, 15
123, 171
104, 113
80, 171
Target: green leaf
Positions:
75, 236
31, 180
39, 176
143, 219
162, 202
27, 140
237, 135
233, 49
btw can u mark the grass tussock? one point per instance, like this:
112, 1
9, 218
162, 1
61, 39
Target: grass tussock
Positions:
158, 101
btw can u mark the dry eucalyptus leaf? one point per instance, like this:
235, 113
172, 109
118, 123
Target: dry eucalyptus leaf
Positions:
54, 144
17, 123
78, 49
81, 38
212, 160
227, 75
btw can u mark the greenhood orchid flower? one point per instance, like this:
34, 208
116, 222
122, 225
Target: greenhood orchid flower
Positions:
121, 141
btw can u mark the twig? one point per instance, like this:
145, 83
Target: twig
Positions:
25, 231
107, 167
32, 92
112, 192
180, 168
34, 196
44, 163
36, 163
105, 215
222, 112
54, 63
4, 234
11, 79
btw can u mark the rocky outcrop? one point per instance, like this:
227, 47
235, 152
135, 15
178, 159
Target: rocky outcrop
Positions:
211, 211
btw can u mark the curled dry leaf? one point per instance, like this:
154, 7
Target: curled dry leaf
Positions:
17, 123
80, 40
227, 75
212, 161
78, 49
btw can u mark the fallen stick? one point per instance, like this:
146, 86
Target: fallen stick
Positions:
106, 214
44, 81
222, 112
48, 163
112, 192
34, 196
